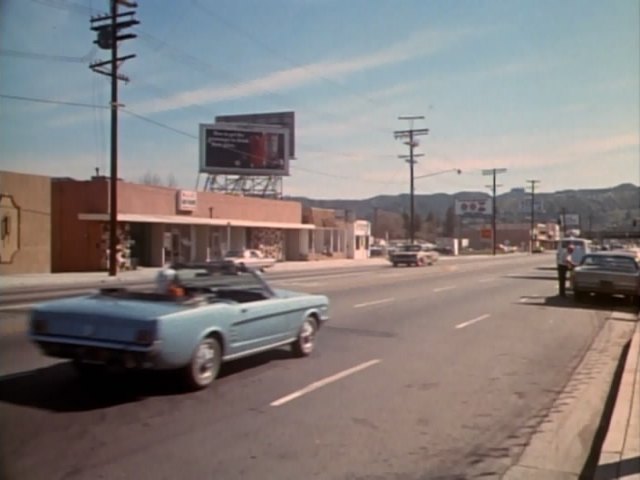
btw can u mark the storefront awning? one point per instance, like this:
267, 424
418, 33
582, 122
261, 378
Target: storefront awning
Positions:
188, 220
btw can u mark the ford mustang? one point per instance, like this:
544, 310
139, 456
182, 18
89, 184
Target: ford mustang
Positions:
222, 313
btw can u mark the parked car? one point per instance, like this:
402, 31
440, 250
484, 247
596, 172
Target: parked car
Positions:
250, 258
537, 249
224, 313
413, 255
610, 273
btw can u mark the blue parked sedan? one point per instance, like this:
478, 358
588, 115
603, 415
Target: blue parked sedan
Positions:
223, 313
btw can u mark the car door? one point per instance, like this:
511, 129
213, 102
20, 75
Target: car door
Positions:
258, 324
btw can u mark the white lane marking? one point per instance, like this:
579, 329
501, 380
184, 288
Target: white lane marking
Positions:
303, 284
375, 302
485, 280
325, 381
17, 306
472, 321
442, 289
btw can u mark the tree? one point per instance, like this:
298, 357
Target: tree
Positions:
171, 181
450, 223
150, 178
417, 224
431, 224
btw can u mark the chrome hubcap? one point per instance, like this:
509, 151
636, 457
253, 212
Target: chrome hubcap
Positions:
204, 363
307, 336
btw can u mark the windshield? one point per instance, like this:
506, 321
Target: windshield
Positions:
234, 254
215, 277
410, 248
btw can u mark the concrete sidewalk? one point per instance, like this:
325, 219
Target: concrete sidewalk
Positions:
147, 274
620, 454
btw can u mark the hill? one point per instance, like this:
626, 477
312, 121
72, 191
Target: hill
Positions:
599, 209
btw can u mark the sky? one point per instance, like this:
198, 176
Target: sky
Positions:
547, 90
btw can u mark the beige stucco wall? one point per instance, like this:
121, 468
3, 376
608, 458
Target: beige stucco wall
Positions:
25, 206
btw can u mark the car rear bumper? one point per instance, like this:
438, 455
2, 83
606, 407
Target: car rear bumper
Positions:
99, 352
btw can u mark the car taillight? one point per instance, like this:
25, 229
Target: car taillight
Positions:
39, 326
145, 336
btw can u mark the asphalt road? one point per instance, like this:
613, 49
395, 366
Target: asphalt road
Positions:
439, 372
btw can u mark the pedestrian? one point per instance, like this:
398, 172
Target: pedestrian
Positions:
565, 263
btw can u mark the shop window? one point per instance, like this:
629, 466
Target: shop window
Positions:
357, 242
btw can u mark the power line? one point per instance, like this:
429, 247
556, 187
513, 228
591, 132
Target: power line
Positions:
193, 62
7, 52
276, 53
185, 134
53, 102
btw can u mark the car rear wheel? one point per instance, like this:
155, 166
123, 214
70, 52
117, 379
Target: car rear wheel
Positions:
306, 341
205, 364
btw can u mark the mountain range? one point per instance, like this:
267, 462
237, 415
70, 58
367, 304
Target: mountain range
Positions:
599, 209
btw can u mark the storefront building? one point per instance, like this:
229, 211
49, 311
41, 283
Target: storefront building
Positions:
62, 225
159, 225
25, 223
336, 234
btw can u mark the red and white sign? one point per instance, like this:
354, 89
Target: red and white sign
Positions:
477, 206
186, 201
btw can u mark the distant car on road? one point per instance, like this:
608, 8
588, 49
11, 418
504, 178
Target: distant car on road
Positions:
413, 255
609, 273
221, 313
250, 258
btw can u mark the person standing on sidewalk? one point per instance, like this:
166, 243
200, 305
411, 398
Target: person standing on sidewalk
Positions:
565, 263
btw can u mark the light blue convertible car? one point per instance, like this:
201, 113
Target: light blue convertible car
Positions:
224, 313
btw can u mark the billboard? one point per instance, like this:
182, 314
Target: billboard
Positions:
570, 219
480, 206
538, 206
281, 119
227, 148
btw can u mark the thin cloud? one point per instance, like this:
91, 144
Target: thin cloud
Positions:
417, 44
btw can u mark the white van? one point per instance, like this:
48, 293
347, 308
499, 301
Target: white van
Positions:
581, 246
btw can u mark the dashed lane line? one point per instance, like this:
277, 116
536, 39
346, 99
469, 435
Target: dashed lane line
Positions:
375, 302
472, 321
325, 381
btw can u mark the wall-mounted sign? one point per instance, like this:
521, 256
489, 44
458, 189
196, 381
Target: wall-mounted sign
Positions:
186, 200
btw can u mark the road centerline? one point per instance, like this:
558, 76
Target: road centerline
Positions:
473, 320
325, 381
374, 302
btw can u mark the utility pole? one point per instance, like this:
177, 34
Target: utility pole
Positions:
410, 134
564, 222
108, 28
494, 172
533, 197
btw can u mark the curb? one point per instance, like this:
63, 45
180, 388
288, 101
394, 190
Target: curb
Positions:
563, 440
620, 453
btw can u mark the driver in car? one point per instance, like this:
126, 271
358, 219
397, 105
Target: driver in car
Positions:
168, 283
